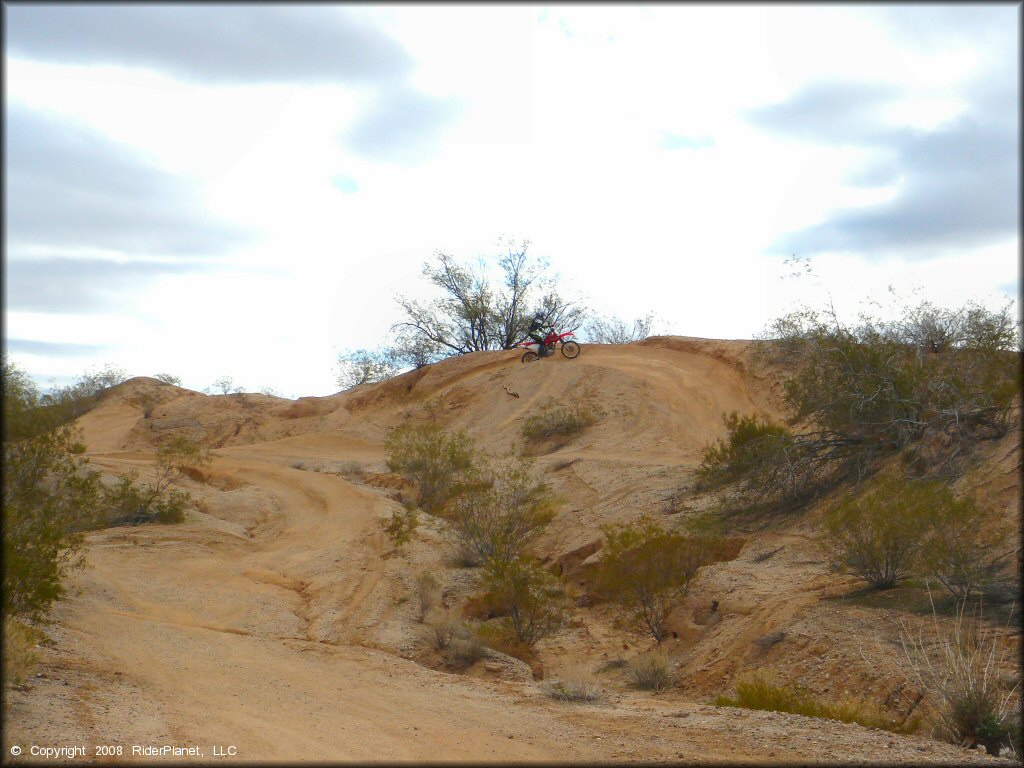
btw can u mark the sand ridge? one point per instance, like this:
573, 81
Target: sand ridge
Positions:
278, 617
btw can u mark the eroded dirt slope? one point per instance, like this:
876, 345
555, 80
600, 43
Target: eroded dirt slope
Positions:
278, 618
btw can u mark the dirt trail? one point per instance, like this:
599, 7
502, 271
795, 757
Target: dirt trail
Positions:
251, 625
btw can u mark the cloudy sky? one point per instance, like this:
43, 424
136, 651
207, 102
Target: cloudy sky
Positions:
242, 190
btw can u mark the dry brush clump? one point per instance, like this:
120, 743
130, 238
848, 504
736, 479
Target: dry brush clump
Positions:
428, 593
959, 669
559, 420
652, 671
574, 684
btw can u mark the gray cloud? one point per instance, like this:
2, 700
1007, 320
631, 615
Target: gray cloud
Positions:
53, 349
958, 183
68, 185
829, 112
210, 43
63, 285
231, 44
403, 125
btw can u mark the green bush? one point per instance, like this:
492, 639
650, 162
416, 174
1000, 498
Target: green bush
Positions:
748, 443
761, 460
645, 569
130, 502
879, 386
559, 420
527, 596
401, 526
877, 534
495, 517
966, 547
440, 463
50, 497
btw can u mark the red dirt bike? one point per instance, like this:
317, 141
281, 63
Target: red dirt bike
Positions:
570, 348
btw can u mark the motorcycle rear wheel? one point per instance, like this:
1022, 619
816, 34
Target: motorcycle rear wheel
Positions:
529, 357
570, 349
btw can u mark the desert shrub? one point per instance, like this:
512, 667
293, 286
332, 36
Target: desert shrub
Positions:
401, 526
440, 463
644, 569
466, 644
147, 401
749, 443
441, 627
366, 366
501, 636
168, 378
495, 517
613, 330
20, 654
966, 546
651, 672
574, 684
225, 385
527, 597
49, 497
880, 386
474, 314
65, 404
876, 535
962, 684
617, 663
761, 691
559, 420
130, 502
428, 590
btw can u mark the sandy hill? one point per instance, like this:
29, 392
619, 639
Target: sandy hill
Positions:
278, 618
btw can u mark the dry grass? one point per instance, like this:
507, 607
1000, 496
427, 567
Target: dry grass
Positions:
441, 627
761, 691
559, 420
428, 589
772, 638
959, 669
20, 654
466, 645
617, 663
574, 684
652, 672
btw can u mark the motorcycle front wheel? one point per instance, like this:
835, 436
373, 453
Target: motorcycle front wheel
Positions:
570, 349
529, 357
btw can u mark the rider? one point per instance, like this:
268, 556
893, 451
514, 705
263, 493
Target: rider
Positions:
537, 325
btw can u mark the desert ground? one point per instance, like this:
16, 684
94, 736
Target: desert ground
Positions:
278, 622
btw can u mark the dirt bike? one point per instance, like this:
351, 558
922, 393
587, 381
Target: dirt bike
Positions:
570, 348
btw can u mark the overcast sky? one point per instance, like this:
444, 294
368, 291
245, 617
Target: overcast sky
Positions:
241, 190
